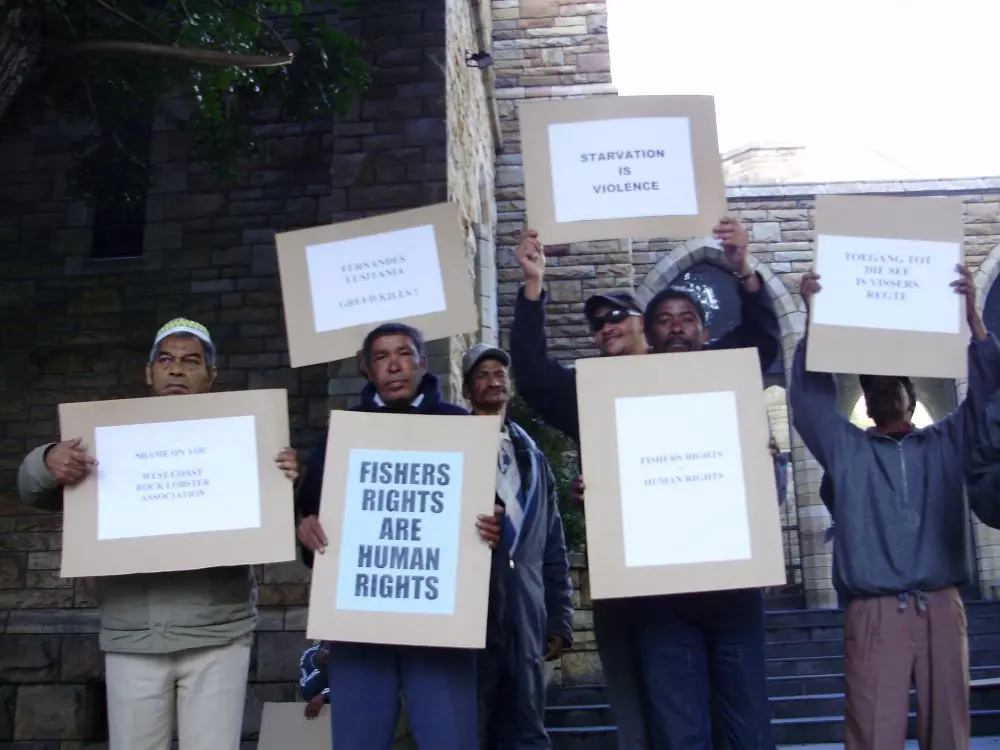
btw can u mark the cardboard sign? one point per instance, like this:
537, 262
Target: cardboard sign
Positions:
401, 494
340, 281
886, 307
631, 166
182, 483
283, 726
680, 481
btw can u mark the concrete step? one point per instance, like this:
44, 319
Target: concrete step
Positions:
798, 732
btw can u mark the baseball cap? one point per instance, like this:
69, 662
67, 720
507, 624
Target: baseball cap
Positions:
184, 325
477, 354
623, 299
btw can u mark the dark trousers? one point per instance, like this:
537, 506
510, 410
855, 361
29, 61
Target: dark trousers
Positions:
704, 648
438, 685
511, 702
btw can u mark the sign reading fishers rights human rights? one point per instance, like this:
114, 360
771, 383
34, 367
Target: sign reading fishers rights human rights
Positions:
622, 169
399, 540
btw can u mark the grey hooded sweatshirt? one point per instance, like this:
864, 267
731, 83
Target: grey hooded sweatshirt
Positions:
900, 514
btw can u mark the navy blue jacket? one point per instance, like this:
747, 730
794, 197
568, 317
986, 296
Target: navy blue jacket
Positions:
983, 478
531, 598
308, 494
312, 680
549, 387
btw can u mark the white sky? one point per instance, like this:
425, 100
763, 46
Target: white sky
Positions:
917, 81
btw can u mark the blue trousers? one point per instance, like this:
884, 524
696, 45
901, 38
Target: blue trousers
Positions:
616, 629
439, 685
700, 646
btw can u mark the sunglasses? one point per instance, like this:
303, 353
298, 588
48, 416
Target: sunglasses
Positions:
614, 316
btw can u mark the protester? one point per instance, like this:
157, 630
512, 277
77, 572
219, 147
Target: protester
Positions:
531, 611
549, 387
365, 680
169, 638
983, 478
901, 546
780, 469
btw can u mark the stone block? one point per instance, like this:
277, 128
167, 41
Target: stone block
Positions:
57, 712
12, 570
29, 658
81, 659
278, 654
539, 9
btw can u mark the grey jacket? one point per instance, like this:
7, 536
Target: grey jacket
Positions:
900, 512
156, 613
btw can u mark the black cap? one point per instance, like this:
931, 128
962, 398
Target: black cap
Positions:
623, 299
672, 292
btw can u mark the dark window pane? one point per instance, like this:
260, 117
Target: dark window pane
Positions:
119, 231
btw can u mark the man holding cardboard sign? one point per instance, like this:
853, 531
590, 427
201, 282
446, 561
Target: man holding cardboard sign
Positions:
180, 637
673, 321
901, 546
365, 679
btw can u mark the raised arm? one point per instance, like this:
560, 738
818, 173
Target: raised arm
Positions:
758, 326
961, 427
813, 397
555, 571
547, 385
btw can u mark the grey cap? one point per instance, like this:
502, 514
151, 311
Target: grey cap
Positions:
477, 354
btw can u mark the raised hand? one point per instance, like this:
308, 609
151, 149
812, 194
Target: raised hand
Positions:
531, 257
68, 462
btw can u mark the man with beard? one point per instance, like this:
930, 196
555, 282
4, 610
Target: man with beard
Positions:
531, 610
549, 387
365, 680
177, 644
900, 551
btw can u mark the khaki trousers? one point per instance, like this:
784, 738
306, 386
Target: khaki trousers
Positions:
206, 687
892, 643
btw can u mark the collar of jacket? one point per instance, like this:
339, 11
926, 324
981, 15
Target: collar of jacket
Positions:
427, 399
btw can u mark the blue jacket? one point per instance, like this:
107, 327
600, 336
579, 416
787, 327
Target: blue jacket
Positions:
900, 511
549, 387
530, 600
984, 472
428, 401
312, 680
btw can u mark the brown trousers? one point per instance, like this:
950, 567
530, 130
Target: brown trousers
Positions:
892, 643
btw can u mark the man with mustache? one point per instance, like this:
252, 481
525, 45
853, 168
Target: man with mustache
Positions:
181, 638
365, 680
549, 387
531, 610
900, 552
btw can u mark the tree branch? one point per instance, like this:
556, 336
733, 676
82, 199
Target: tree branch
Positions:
264, 24
183, 54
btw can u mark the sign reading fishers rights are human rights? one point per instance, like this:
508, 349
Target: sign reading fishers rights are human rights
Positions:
399, 542
612, 167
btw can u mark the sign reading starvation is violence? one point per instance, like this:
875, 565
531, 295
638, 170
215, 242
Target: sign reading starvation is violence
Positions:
340, 281
886, 306
182, 483
680, 485
401, 494
611, 167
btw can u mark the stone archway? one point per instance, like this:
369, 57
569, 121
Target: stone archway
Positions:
805, 518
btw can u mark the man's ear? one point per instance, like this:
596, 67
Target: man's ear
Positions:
706, 333
213, 373
149, 376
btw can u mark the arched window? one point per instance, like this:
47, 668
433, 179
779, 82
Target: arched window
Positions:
718, 292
